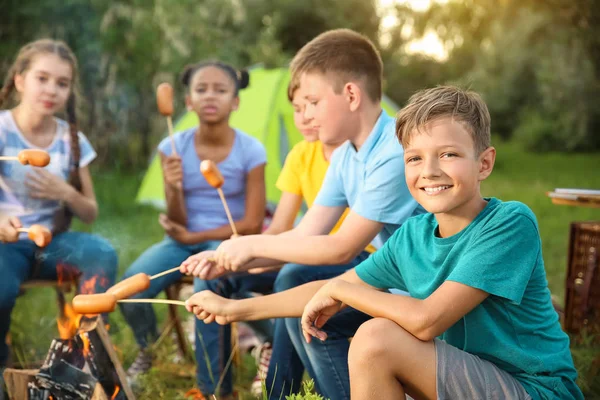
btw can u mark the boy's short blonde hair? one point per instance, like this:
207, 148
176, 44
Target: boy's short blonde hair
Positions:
464, 106
343, 55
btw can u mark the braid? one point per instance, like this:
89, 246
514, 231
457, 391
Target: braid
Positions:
74, 178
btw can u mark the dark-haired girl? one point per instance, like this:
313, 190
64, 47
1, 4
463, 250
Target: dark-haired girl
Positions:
195, 219
42, 80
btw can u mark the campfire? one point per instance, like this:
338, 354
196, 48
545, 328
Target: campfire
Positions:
80, 364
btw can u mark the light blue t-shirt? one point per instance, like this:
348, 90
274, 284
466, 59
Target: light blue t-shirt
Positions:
371, 180
14, 195
202, 202
500, 253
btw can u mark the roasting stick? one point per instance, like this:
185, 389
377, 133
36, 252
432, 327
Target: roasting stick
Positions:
160, 301
214, 178
106, 302
164, 100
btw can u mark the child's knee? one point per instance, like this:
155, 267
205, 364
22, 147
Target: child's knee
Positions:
370, 341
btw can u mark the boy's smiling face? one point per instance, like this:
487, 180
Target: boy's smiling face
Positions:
443, 171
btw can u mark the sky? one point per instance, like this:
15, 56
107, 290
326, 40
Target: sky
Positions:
430, 43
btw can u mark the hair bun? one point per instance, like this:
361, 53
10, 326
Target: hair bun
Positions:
187, 74
243, 78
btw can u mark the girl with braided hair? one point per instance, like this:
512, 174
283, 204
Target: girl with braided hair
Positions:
42, 80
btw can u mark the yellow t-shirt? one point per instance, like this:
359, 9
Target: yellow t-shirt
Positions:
303, 173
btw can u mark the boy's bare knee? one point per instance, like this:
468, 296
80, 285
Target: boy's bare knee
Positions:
371, 340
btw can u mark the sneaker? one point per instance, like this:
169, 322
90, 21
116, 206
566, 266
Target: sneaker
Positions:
141, 364
262, 354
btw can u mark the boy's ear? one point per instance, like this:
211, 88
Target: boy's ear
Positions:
188, 102
486, 162
353, 95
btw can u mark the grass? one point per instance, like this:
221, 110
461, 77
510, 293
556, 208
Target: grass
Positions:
517, 176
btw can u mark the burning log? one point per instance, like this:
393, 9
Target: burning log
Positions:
83, 367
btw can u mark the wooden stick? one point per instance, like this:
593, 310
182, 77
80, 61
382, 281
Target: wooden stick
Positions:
227, 211
161, 301
172, 270
9, 158
26, 230
164, 273
170, 125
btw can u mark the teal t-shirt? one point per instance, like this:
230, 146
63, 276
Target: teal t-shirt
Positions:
500, 253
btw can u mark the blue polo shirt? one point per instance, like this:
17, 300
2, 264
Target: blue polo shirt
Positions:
371, 180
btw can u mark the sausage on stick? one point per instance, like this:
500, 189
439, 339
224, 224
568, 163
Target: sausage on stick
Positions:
164, 101
36, 158
40, 235
215, 179
135, 284
107, 302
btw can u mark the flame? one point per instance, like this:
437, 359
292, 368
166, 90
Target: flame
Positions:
68, 322
114, 395
89, 286
86, 344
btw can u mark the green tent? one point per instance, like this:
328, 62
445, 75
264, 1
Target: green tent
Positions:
264, 113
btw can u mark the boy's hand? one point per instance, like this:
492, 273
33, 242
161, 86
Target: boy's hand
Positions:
8, 229
203, 266
234, 253
174, 230
45, 185
210, 307
173, 171
318, 310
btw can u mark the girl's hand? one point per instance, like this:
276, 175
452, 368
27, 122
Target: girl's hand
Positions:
45, 185
8, 229
174, 230
173, 171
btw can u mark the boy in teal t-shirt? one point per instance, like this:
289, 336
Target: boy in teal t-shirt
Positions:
479, 322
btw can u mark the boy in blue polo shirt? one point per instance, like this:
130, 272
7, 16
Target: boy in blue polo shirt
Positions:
479, 322
343, 91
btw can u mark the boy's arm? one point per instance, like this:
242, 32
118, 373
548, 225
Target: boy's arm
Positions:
425, 319
287, 304
308, 243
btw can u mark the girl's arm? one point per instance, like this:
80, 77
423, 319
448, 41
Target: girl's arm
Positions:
254, 214
285, 214
83, 204
173, 183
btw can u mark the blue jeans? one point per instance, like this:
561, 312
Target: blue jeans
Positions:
329, 359
78, 253
287, 365
163, 255
213, 341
